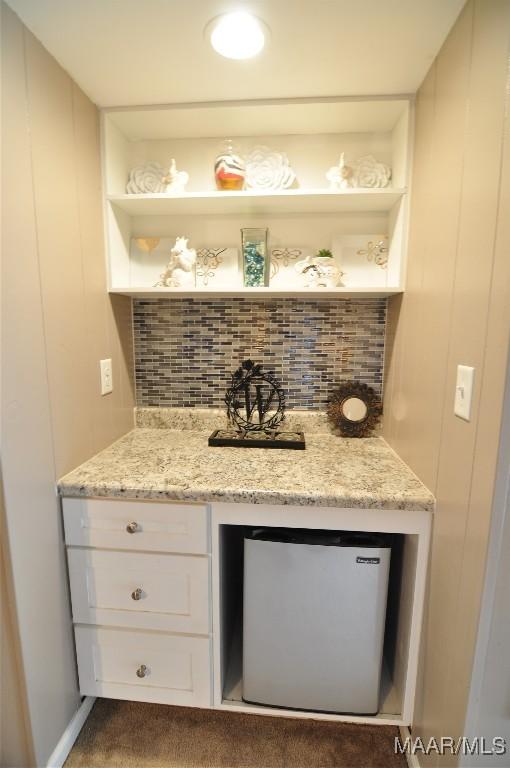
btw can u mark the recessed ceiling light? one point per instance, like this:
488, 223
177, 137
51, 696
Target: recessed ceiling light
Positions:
237, 35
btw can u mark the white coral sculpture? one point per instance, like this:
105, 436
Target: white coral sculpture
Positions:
179, 270
267, 170
369, 172
147, 179
152, 178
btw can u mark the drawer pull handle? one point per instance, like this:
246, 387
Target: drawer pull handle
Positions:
142, 671
137, 594
132, 527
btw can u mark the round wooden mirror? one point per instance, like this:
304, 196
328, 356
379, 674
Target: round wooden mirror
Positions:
354, 409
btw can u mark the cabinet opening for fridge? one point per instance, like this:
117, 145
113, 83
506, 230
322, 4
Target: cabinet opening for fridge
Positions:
315, 620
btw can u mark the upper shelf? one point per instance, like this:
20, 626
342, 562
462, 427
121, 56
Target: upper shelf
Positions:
249, 202
255, 118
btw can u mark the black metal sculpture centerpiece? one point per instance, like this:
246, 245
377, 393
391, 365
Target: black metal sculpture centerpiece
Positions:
255, 408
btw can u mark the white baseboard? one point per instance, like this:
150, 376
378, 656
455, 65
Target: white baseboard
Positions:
64, 746
412, 759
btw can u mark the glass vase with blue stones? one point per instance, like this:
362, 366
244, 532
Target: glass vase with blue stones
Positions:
255, 257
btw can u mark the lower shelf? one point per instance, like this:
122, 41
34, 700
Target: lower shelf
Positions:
255, 293
232, 697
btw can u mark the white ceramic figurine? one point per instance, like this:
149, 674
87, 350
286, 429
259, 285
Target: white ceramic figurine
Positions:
175, 179
340, 176
179, 272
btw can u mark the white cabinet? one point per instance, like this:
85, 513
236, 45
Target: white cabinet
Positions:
140, 590
312, 132
157, 613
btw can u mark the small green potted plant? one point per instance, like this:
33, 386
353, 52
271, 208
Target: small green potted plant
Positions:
324, 253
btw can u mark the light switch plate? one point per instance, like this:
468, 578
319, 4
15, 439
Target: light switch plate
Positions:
106, 376
464, 391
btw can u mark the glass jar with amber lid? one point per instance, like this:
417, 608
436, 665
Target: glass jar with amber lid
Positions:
229, 168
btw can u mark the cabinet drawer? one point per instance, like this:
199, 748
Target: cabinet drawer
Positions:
144, 666
137, 525
173, 591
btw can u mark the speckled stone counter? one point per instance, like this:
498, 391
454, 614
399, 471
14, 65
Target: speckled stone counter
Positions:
209, 419
177, 464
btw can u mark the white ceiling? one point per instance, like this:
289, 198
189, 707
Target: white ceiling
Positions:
129, 52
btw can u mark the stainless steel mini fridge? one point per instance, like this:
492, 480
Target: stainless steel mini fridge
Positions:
313, 619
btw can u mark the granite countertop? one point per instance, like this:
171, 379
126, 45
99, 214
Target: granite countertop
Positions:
177, 464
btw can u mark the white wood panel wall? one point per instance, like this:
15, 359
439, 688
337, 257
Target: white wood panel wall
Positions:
57, 322
455, 311
15, 747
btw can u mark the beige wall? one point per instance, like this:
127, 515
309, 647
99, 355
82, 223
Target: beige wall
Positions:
488, 697
57, 322
456, 310
81, 325
15, 746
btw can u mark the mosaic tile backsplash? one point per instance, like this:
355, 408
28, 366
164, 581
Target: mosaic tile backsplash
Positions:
185, 350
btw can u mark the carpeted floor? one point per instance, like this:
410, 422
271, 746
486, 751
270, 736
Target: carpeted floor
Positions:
124, 734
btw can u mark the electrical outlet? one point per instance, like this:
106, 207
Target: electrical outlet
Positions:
106, 376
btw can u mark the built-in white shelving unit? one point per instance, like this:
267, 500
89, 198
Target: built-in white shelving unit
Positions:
313, 133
